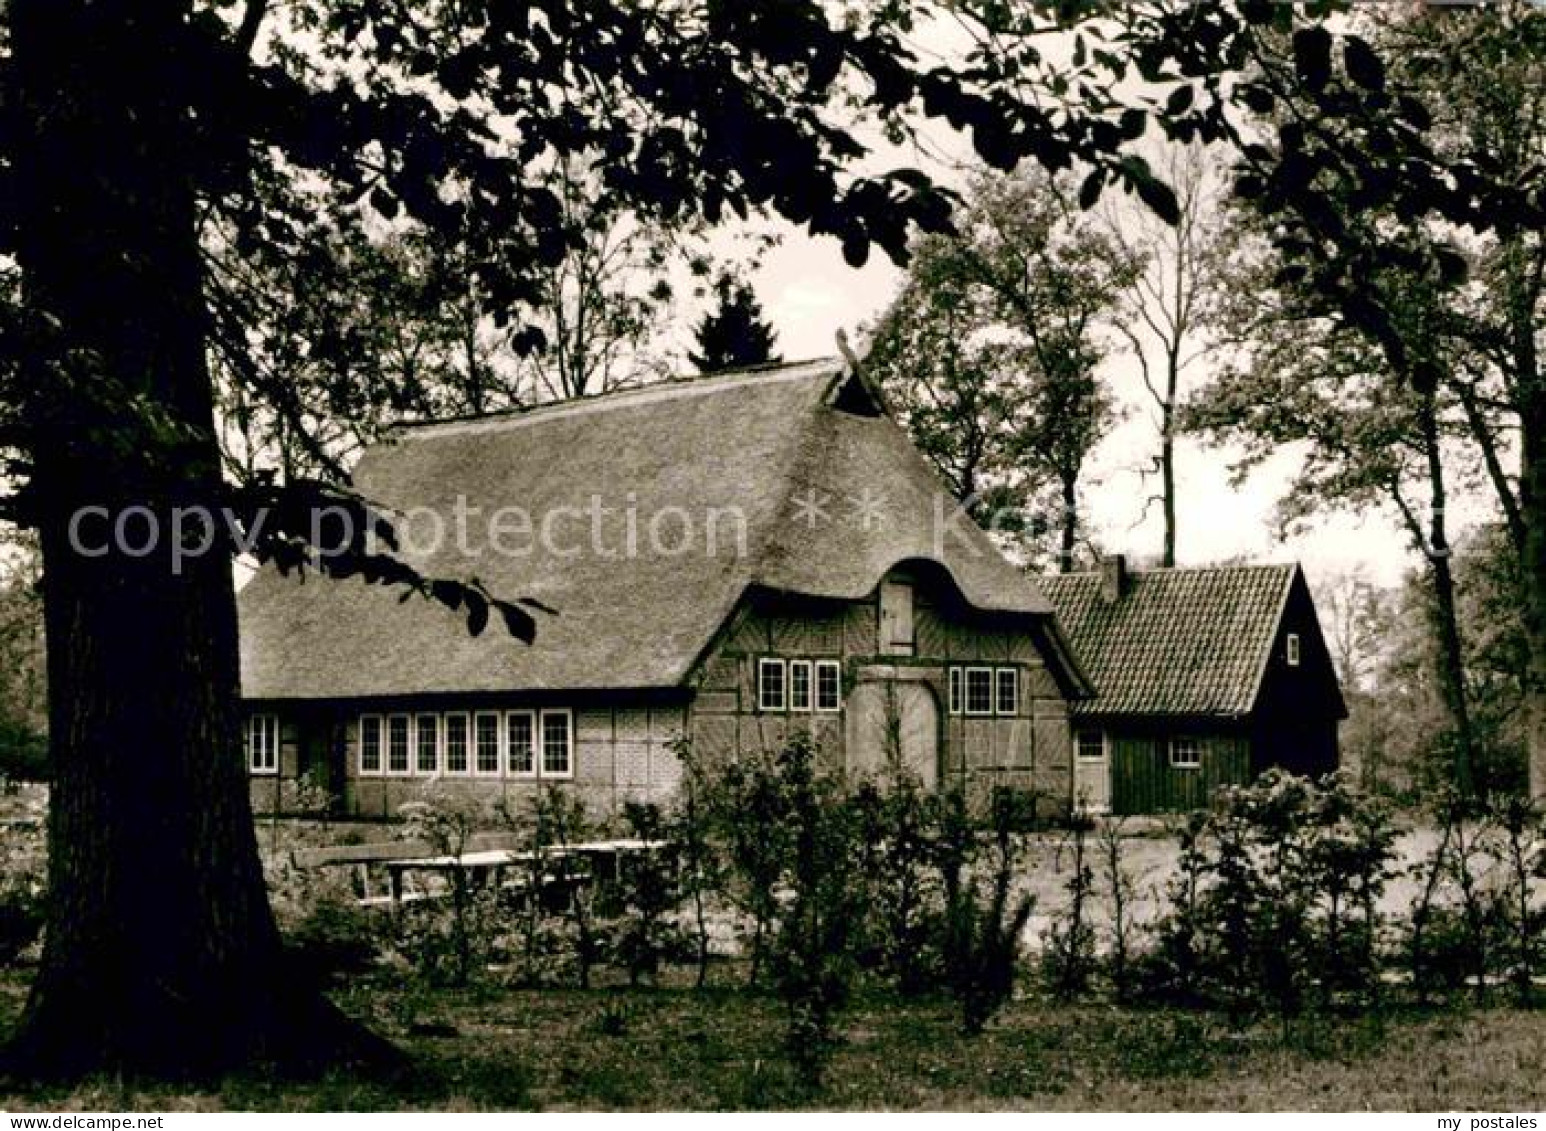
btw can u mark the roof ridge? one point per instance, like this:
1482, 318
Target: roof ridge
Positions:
670, 387
1240, 568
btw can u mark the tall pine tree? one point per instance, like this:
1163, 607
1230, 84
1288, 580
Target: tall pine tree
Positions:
734, 335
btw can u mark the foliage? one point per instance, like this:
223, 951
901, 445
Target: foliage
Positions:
812, 959
1069, 957
899, 827
984, 917
23, 696
23, 873
703, 868
449, 948
1276, 893
648, 894
734, 334
990, 353
754, 808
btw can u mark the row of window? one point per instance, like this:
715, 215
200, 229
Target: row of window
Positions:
799, 685
1185, 752
984, 691
518, 744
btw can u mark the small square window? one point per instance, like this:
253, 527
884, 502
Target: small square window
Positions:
829, 685
1008, 689
485, 727
1291, 646
426, 737
370, 744
521, 743
263, 744
557, 744
979, 691
456, 744
771, 691
1185, 753
1091, 745
955, 691
799, 685
397, 744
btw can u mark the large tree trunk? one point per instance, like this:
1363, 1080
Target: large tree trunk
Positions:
1070, 530
161, 954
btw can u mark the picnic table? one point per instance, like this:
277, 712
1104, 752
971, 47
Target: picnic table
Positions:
605, 858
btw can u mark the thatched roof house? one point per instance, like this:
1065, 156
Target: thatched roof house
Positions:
729, 557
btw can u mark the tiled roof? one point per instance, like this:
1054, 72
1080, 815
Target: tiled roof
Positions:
795, 450
1178, 641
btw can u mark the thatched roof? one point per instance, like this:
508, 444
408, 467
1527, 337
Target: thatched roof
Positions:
755, 442
1176, 642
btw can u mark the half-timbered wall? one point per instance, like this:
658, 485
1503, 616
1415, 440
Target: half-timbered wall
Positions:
1028, 750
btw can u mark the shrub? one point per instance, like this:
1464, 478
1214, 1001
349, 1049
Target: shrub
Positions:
753, 815
1069, 958
812, 957
984, 920
898, 829
448, 942
648, 895
702, 865
23, 884
1121, 889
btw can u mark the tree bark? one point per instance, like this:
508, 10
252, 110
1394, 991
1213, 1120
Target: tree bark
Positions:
1168, 464
1070, 524
1533, 505
161, 955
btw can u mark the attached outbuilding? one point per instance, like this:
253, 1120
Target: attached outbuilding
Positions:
1205, 677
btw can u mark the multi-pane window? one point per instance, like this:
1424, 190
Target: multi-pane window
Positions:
1008, 691
956, 693
486, 735
799, 685
263, 744
370, 744
456, 744
426, 736
397, 744
557, 744
979, 691
771, 690
829, 685
521, 743
1185, 753
1091, 744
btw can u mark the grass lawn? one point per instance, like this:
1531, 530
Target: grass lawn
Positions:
674, 1048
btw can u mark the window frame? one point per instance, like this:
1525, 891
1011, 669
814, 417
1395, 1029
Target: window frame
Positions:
1177, 740
966, 692
387, 769
1080, 735
836, 668
467, 743
533, 745
416, 740
256, 723
475, 745
380, 730
542, 743
998, 692
808, 669
768, 663
957, 690
1293, 653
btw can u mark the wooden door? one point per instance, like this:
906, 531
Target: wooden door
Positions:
892, 723
1092, 771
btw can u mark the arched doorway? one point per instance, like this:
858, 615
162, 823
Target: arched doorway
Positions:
889, 721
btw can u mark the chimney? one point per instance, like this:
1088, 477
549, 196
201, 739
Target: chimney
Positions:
1113, 578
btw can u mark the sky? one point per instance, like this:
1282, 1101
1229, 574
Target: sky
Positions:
808, 293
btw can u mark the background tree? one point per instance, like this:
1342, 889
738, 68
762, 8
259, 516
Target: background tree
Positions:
734, 334
23, 690
993, 350
1163, 313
